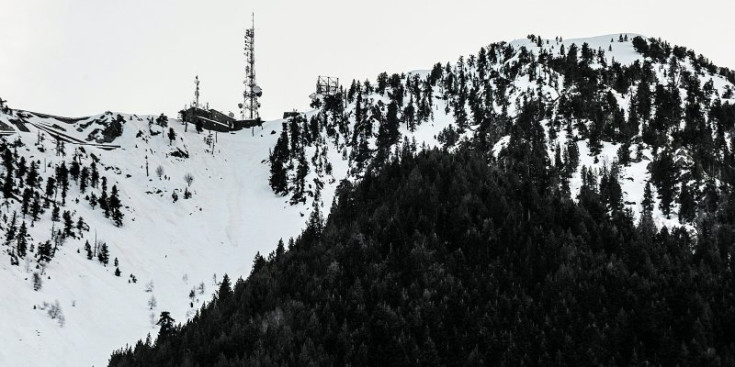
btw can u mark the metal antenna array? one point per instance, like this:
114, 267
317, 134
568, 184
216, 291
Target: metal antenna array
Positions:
327, 85
252, 90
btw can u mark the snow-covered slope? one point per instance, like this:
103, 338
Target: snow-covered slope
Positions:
171, 248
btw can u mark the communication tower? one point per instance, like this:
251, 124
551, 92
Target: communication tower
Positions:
327, 85
252, 90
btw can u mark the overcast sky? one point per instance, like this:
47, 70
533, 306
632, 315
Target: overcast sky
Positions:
81, 57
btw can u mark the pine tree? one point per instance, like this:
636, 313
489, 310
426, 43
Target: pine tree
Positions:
624, 153
93, 200
62, 178
21, 240
36, 206
687, 206
572, 163
104, 255
83, 178
68, 224
26, 200
388, 130
32, 179
74, 169
664, 175
166, 322
643, 100
409, 116
258, 263
610, 190
280, 249
115, 207
278, 158
11, 230
711, 196
299, 180
162, 120
647, 203
88, 249
8, 160
55, 214
632, 127
8, 184
294, 131
80, 226
45, 252
50, 189
225, 288
94, 175
291, 243
103, 201
22, 170
171, 135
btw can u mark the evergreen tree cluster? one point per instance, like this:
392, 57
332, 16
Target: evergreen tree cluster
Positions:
300, 149
554, 95
465, 259
39, 191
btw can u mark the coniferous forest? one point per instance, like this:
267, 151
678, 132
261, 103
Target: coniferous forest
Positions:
668, 118
539, 202
451, 259
501, 247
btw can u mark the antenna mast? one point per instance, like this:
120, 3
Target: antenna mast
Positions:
252, 90
196, 92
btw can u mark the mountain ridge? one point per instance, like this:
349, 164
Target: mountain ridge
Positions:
332, 146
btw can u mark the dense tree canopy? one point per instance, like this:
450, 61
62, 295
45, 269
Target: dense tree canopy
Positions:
453, 259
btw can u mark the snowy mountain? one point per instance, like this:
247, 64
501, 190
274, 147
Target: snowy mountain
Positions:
165, 250
528, 238
654, 119
593, 108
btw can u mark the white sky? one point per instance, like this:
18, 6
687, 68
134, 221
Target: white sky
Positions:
81, 57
